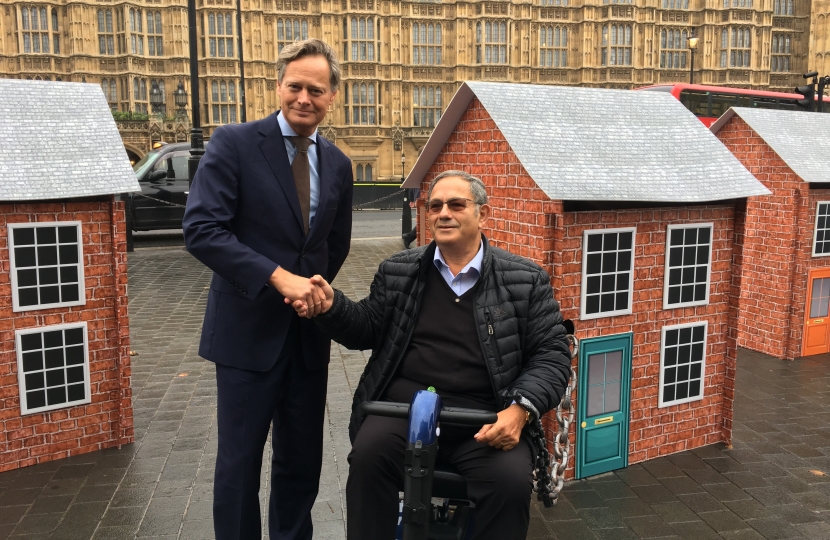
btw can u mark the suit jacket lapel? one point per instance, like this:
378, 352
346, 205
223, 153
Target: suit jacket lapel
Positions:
326, 174
273, 147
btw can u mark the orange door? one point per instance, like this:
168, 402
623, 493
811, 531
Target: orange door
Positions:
816, 321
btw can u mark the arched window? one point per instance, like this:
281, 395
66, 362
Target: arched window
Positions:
426, 44
289, 30
220, 35
553, 46
363, 107
427, 105
155, 43
106, 37
616, 45
674, 45
781, 53
363, 39
223, 106
492, 45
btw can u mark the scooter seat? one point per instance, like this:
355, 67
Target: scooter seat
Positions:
448, 482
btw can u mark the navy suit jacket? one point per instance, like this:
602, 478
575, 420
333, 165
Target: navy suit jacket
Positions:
242, 220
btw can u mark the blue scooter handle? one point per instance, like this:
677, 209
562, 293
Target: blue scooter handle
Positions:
449, 415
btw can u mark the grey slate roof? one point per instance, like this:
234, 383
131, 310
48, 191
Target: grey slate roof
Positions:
798, 137
59, 141
602, 145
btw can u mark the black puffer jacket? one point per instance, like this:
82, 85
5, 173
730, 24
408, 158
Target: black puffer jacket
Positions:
522, 338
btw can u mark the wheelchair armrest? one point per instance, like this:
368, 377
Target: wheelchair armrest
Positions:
466, 417
385, 408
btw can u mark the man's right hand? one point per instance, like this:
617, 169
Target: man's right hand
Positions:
299, 291
328, 298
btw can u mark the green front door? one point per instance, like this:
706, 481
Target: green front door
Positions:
603, 399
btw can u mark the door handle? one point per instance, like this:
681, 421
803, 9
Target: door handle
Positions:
605, 420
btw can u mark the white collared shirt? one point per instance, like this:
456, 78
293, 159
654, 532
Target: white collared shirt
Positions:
313, 163
464, 280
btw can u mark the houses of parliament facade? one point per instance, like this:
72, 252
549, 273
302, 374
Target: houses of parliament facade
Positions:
402, 60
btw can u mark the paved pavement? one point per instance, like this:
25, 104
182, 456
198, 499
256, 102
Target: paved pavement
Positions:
774, 483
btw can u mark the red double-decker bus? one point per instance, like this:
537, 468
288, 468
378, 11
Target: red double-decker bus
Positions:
710, 102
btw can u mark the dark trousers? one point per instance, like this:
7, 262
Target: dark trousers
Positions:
293, 399
499, 482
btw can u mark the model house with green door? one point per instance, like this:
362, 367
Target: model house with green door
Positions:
632, 206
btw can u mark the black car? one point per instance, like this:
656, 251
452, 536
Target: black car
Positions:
162, 175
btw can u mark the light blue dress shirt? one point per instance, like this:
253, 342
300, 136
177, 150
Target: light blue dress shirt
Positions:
313, 163
464, 280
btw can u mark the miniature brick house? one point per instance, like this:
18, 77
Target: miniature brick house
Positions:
64, 336
785, 282
612, 192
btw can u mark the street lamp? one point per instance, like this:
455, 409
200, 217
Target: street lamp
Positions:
156, 97
180, 99
692, 47
406, 216
197, 144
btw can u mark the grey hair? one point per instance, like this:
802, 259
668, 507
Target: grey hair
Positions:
309, 47
476, 185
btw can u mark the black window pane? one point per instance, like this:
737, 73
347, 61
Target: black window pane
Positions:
624, 261
689, 255
46, 235
700, 274
34, 381
593, 285
694, 371
592, 304
75, 392
691, 236
697, 352
687, 293
668, 393
671, 337
69, 274
24, 257
675, 256
608, 283
670, 375
684, 354
48, 276
685, 335
74, 375
53, 338
594, 242
700, 293
69, 254
703, 255
55, 377
47, 255
54, 358
609, 242
674, 295
50, 295
74, 355
694, 388
26, 278
74, 336
674, 276
670, 356
625, 240
676, 238
30, 341
689, 274
681, 390
32, 361
697, 333
27, 297
609, 262
69, 293
35, 400
68, 234
683, 372
24, 237
622, 281
622, 300
594, 263
56, 396
607, 302
703, 235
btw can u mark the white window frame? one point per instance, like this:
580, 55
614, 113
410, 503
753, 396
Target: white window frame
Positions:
826, 228
16, 307
584, 286
660, 402
684, 226
21, 379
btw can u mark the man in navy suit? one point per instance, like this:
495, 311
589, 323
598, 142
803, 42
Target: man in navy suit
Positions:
270, 206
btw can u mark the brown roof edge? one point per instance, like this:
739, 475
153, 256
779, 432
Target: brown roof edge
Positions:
720, 122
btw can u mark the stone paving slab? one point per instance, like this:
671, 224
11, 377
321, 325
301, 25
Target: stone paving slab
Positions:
765, 487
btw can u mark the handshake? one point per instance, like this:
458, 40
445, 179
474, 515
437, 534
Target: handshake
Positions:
308, 296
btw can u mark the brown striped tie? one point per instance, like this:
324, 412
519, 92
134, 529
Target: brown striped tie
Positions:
302, 177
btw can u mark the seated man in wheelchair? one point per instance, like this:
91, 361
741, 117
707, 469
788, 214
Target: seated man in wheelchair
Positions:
481, 326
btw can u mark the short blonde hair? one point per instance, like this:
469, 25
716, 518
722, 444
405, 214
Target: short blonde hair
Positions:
309, 47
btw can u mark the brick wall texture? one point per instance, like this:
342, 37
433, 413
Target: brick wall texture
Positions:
106, 421
777, 247
526, 222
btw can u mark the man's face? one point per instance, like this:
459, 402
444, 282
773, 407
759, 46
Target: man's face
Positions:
461, 229
305, 93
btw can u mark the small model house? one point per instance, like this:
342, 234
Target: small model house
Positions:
64, 336
785, 280
633, 207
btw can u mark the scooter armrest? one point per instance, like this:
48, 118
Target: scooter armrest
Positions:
385, 408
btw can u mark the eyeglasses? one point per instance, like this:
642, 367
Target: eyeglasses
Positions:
456, 204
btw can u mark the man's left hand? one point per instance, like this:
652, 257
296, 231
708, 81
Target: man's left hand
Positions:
505, 433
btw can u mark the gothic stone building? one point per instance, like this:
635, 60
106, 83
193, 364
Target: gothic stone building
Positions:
637, 219
403, 60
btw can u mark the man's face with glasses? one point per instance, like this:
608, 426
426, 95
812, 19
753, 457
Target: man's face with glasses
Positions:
454, 219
